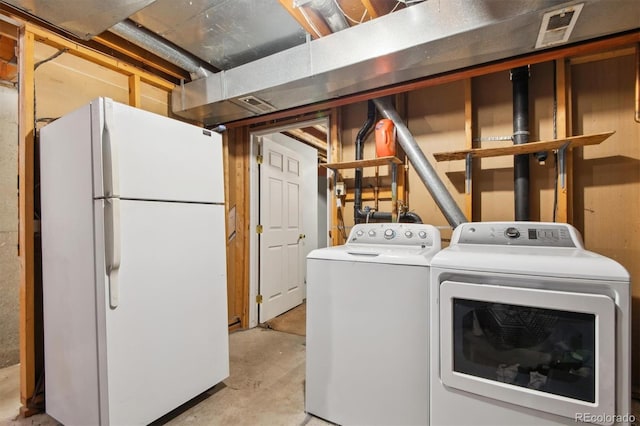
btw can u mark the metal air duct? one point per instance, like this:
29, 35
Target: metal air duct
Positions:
159, 47
428, 38
425, 171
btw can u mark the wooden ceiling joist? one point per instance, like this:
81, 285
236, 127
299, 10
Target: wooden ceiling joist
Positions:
315, 25
378, 8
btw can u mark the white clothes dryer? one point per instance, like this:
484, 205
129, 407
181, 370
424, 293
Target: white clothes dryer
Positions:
367, 334
528, 328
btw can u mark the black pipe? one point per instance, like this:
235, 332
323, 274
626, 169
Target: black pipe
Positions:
362, 134
520, 80
405, 217
369, 215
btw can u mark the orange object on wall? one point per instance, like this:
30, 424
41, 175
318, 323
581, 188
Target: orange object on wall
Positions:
385, 138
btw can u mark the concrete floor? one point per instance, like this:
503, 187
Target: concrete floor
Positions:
265, 387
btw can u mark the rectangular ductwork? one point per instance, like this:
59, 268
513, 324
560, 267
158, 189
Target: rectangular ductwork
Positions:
426, 39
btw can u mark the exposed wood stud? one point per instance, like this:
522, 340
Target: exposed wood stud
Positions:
637, 112
134, 90
468, 136
336, 156
564, 210
26, 219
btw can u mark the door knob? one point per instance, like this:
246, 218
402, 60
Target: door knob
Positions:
301, 237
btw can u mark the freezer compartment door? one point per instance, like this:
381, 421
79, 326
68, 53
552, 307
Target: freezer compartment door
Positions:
145, 156
167, 337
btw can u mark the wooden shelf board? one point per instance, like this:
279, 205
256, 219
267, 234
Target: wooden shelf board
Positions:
527, 148
380, 161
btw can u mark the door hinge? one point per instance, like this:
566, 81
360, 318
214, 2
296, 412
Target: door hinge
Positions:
259, 158
259, 298
259, 229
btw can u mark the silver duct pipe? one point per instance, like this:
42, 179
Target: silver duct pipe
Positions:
330, 12
156, 45
427, 173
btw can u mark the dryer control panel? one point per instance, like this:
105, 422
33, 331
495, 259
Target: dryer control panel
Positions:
412, 234
534, 234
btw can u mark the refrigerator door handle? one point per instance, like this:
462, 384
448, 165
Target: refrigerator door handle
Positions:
110, 161
112, 248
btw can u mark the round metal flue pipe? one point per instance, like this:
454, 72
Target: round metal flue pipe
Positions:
425, 170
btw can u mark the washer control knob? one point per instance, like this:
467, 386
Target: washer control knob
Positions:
512, 232
422, 234
389, 234
408, 234
372, 232
360, 233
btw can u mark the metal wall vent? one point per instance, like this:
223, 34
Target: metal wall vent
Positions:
256, 105
557, 25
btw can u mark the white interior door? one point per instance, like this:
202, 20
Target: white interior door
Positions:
281, 257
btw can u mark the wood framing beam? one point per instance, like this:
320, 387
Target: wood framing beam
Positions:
315, 25
307, 138
99, 58
335, 147
137, 53
26, 132
468, 143
378, 8
637, 112
9, 28
601, 56
564, 207
134, 90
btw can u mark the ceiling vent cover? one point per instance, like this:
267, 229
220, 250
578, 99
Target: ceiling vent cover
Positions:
256, 105
557, 25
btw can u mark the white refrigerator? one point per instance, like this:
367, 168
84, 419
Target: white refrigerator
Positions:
134, 264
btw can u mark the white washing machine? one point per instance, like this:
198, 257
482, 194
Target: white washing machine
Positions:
367, 328
528, 328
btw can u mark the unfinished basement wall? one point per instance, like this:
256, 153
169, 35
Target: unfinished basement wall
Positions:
607, 176
606, 183
9, 262
67, 82
492, 117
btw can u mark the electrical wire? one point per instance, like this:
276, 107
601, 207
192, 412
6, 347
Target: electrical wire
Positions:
345, 14
364, 14
306, 18
50, 58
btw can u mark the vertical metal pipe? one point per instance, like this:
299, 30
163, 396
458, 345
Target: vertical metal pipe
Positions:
360, 137
520, 80
425, 171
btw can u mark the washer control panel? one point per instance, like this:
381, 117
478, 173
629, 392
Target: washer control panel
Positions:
414, 234
535, 234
